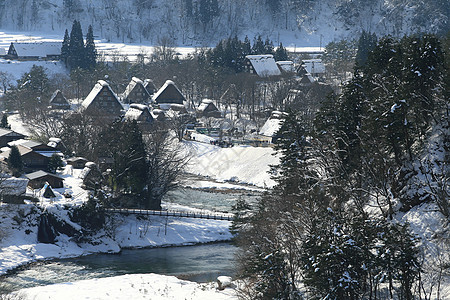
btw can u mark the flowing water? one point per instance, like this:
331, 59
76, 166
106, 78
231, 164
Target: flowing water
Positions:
200, 263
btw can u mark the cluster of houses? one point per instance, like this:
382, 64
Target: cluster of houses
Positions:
140, 101
309, 70
35, 158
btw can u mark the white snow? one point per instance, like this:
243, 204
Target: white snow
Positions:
244, 164
133, 286
264, 65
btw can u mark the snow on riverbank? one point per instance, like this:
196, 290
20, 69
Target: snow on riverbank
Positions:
136, 286
20, 245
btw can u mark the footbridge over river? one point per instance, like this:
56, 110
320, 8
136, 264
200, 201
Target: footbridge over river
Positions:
172, 213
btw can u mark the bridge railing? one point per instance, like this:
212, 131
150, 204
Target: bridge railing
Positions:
172, 213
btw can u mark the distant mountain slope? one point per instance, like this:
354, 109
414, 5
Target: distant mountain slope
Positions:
204, 22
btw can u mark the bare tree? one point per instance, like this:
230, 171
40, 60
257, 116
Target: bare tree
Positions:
166, 161
165, 50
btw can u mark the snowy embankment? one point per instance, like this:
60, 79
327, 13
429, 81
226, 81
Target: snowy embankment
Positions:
136, 286
242, 164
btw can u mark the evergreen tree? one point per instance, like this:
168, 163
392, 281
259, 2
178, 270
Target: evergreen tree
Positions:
268, 46
4, 122
281, 53
241, 210
76, 46
35, 81
90, 51
258, 45
55, 163
246, 47
366, 43
15, 163
65, 48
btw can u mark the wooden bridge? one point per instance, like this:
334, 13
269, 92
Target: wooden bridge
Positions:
172, 213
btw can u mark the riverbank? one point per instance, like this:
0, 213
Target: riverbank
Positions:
131, 286
19, 244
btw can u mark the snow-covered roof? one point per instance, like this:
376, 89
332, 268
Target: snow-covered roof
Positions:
169, 93
61, 101
137, 112
7, 132
314, 66
133, 83
149, 85
271, 127
14, 186
95, 91
273, 124
286, 65
205, 103
42, 49
264, 65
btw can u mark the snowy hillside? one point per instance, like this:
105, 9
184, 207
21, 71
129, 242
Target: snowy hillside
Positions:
203, 23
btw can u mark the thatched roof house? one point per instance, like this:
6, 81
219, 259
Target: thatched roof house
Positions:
208, 109
102, 101
169, 93
58, 101
136, 92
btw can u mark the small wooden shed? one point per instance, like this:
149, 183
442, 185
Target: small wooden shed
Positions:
38, 179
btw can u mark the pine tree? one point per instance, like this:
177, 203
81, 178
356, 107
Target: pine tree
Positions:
246, 47
55, 163
76, 46
15, 163
4, 122
281, 53
367, 42
65, 48
268, 46
258, 45
90, 51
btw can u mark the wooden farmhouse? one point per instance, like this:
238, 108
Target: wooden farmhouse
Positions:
7, 136
102, 102
150, 86
57, 144
35, 51
136, 92
58, 101
32, 160
91, 176
262, 65
315, 67
77, 162
208, 109
141, 114
169, 93
38, 179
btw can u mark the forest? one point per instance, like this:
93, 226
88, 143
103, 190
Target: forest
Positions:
328, 229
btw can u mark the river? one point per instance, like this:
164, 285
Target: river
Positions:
200, 263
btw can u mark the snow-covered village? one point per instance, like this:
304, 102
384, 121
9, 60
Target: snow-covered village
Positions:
221, 149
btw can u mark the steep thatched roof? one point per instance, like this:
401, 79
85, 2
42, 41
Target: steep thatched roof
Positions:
169, 93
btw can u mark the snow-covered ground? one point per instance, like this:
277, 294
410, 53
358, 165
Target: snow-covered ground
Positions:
135, 286
243, 164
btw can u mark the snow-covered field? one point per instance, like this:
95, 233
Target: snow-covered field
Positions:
244, 164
